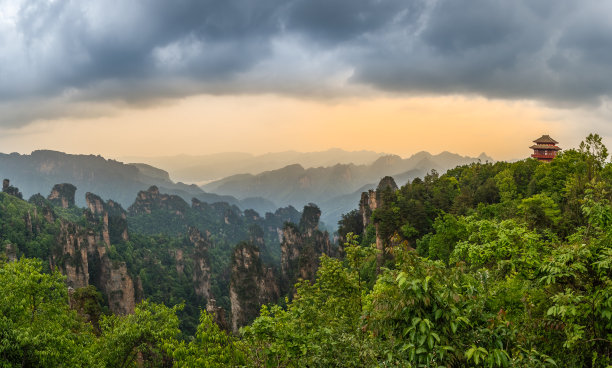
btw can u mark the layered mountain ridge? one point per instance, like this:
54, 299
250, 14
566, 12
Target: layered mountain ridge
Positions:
40, 170
205, 168
334, 188
160, 248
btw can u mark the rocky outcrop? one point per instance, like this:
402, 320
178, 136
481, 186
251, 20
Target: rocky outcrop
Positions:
387, 183
218, 314
118, 286
372, 200
82, 257
73, 256
40, 201
151, 200
11, 190
81, 251
301, 248
110, 215
252, 285
179, 260
201, 267
230, 213
62, 195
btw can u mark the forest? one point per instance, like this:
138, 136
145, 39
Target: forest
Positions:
487, 265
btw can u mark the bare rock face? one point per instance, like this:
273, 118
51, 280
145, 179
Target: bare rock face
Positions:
95, 204
251, 285
178, 256
83, 259
370, 201
80, 251
112, 217
367, 205
10, 190
151, 200
62, 195
118, 286
83, 255
218, 314
301, 249
72, 259
201, 268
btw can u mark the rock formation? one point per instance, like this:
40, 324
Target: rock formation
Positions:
110, 215
81, 251
218, 314
62, 195
150, 200
83, 259
10, 190
301, 248
370, 201
201, 267
42, 202
252, 285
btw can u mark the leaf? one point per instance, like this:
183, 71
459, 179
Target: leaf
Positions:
470, 352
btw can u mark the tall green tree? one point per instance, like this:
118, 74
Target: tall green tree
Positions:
37, 327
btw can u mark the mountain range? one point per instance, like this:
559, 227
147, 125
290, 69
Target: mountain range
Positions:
335, 188
205, 168
40, 170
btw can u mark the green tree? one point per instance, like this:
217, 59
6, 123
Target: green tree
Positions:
37, 328
149, 336
211, 347
540, 212
322, 325
596, 153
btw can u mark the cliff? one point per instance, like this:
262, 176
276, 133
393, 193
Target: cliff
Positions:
110, 216
372, 200
301, 248
82, 254
201, 263
62, 195
10, 190
252, 285
150, 200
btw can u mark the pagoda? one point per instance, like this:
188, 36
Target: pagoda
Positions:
545, 148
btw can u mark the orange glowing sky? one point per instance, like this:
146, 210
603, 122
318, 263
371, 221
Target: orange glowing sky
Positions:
271, 123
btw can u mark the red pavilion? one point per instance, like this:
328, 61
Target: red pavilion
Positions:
545, 148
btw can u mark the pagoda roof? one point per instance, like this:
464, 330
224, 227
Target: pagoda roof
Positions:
545, 139
545, 147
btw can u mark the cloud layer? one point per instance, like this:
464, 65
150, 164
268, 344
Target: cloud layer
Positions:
68, 57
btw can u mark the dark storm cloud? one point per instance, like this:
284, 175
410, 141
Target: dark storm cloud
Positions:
139, 51
557, 52
341, 20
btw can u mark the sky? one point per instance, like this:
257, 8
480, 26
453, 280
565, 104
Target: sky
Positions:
157, 77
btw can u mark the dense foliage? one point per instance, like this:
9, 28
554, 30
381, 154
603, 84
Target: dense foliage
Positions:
487, 265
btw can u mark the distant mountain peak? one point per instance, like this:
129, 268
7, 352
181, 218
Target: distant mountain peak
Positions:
483, 157
293, 167
448, 154
422, 154
387, 160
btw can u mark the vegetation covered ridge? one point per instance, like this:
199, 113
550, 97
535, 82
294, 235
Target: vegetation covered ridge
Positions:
487, 265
